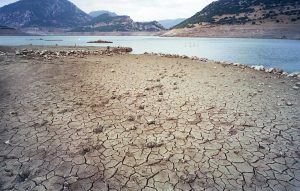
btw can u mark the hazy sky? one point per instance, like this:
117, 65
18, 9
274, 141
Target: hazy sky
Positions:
141, 10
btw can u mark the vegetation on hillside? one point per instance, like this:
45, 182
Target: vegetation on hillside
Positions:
46, 13
238, 12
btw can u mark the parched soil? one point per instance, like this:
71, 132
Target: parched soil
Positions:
143, 122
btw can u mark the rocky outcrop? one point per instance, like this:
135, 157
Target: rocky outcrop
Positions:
51, 54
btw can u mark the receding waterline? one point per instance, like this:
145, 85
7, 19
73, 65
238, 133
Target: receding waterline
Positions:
277, 53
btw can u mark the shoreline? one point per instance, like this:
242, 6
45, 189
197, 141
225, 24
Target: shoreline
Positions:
274, 70
158, 35
90, 118
269, 31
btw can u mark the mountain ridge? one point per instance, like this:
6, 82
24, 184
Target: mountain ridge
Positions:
230, 12
243, 19
42, 17
121, 23
46, 13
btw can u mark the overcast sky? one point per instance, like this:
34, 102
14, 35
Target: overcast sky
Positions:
141, 10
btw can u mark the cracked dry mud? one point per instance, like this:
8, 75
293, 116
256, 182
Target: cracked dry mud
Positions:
142, 122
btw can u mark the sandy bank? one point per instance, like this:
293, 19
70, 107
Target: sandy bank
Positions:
277, 31
115, 121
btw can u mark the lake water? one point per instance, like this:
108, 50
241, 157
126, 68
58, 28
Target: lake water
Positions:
284, 54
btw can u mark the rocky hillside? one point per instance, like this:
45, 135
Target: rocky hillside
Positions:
237, 12
107, 23
42, 13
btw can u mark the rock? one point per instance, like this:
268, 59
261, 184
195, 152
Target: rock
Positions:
298, 84
50, 54
14, 113
85, 150
130, 118
131, 128
160, 93
294, 74
252, 94
7, 142
278, 71
288, 103
296, 87
270, 70
261, 147
150, 120
141, 107
153, 144
258, 68
98, 130
190, 178
23, 176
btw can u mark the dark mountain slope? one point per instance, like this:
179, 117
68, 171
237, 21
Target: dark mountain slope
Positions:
42, 13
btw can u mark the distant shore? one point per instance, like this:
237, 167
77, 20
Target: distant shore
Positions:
267, 31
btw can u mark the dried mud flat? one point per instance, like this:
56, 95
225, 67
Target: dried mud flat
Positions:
143, 122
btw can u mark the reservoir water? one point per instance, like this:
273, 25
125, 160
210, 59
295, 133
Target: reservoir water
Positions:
279, 53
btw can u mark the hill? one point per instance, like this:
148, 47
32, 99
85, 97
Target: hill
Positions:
240, 18
224, 12
101, 12
46, 13
169, 23
107, 23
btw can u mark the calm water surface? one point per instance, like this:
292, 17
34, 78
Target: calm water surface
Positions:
283, 54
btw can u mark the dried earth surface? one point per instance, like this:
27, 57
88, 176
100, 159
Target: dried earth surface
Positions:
144, 122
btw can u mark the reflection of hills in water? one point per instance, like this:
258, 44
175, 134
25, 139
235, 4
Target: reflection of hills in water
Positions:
40, 39
191, 44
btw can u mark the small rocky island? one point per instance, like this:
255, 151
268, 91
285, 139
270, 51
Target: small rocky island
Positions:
100, 41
